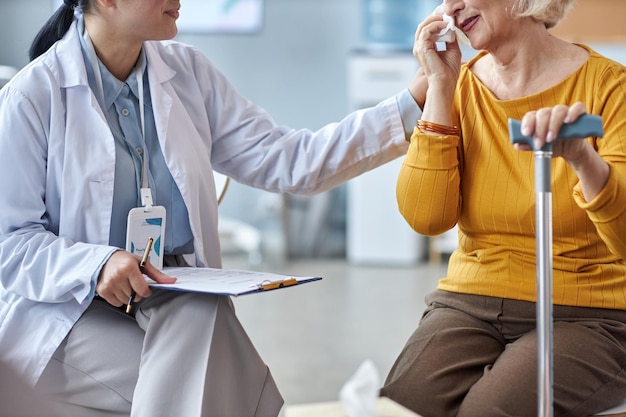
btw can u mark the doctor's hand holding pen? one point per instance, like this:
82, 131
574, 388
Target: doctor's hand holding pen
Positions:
122, 275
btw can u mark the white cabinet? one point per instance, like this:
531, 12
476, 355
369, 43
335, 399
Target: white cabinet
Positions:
376, 232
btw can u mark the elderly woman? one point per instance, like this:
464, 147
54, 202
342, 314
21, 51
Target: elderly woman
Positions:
474, 352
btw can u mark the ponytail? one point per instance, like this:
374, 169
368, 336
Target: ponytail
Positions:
55, 28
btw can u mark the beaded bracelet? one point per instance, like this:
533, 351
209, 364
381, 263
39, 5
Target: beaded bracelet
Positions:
431, 127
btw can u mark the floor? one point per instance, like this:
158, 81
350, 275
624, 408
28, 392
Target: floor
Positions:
315, 336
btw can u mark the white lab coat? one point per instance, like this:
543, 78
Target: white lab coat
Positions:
57, 159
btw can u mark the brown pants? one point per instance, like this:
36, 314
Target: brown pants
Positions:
477, 356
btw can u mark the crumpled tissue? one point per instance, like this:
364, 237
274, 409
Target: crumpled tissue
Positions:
360, 393
450, 32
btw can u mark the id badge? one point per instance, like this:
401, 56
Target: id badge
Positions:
145, 223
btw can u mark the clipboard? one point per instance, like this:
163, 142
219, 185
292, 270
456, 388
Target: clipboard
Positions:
231, 282
274, 285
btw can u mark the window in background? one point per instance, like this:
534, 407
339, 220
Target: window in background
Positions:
391, 24
221, 16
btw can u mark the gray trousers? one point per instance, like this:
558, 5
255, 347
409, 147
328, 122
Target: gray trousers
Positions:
183, 354
477, 356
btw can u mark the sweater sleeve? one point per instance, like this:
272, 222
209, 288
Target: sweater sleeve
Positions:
608, 211
428, 187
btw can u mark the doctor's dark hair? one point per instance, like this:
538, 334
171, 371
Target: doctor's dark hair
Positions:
56, 27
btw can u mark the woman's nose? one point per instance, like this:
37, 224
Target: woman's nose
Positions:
451, 7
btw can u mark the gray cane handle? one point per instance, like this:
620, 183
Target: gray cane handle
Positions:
585, 126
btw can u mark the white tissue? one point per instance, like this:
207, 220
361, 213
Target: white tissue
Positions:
450, 32
360, 393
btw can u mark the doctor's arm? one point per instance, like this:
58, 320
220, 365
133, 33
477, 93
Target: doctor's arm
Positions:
35, 262
250, 147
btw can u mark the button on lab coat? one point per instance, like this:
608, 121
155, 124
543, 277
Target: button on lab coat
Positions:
57, 159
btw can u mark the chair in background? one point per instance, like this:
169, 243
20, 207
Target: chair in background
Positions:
221, 185
6, 73
236, 236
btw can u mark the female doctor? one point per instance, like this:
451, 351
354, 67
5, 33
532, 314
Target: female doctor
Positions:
110, 116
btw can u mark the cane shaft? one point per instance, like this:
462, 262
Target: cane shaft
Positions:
585, 126
544, 283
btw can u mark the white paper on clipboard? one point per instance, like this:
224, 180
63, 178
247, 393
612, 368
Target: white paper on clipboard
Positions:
232, 282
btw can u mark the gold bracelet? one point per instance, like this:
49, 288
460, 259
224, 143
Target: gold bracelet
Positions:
431, 127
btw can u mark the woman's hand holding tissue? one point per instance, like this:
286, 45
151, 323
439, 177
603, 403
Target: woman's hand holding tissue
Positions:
441, 69
439, 66
437, 27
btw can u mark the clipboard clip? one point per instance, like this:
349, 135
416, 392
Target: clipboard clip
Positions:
272, 285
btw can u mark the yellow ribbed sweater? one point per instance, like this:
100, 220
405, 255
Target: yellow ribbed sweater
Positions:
480, 181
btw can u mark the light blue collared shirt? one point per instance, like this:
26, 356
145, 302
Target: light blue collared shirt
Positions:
121, 107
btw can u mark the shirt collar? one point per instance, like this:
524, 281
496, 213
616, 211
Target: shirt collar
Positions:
111, 85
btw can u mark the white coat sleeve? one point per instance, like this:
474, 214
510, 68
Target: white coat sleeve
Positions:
35, 262
252, 149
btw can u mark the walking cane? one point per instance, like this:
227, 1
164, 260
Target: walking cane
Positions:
585, 126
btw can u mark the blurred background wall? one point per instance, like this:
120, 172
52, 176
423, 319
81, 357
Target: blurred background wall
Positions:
311, 63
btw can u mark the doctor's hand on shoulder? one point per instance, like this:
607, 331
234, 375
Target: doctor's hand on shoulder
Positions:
121, 275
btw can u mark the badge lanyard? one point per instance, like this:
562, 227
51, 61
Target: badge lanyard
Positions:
146, 193
146, 222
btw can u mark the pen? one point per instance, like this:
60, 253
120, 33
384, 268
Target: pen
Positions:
142, 264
